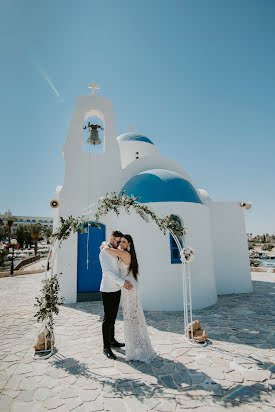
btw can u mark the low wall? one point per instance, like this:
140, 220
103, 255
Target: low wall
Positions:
21, 272
27, 262
259, 269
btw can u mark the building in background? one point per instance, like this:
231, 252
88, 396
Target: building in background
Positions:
27, 220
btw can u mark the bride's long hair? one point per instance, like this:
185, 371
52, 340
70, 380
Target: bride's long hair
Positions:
134, 263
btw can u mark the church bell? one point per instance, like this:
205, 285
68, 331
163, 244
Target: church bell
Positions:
94, 137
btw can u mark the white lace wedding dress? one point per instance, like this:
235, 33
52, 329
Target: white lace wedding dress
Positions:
137, 341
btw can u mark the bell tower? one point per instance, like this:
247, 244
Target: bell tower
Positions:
89, 176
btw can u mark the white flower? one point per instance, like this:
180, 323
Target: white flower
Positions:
187, 255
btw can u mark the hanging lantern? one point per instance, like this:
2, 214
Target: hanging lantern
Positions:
94, 138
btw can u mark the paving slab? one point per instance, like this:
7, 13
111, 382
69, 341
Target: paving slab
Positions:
234, 372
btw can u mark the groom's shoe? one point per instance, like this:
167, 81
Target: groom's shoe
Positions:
108, 352
116, 344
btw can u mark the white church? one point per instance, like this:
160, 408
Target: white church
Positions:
131, 162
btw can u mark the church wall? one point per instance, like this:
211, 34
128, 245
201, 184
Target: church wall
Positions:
67, 265
161, 281
197, 223
232, 270
104, 177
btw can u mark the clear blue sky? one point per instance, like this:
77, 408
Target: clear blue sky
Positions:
196, 76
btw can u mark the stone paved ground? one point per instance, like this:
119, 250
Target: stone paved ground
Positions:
233, 373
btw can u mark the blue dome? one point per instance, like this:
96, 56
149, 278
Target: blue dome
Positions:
161, 185
133, 137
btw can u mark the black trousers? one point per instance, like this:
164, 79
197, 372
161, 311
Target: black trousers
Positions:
110, 303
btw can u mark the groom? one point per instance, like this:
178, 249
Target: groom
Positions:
110, 289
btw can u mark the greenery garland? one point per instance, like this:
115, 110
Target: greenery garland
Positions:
116, 202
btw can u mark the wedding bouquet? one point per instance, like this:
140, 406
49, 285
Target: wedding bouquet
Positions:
187, 255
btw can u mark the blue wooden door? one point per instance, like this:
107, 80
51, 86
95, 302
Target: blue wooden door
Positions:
88, 280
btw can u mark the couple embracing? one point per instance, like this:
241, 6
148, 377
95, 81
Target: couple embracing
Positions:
120, 280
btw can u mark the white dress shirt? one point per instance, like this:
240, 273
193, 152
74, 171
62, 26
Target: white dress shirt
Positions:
111, 279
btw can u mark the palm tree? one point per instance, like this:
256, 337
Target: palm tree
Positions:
2, 229
9, 223
36, 230
23, 235
47, 231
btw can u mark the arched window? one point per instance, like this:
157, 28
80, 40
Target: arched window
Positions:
175, 253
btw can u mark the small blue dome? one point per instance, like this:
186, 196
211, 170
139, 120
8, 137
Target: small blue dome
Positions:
161, 185
133, 137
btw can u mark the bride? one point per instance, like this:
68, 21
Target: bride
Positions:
137, 342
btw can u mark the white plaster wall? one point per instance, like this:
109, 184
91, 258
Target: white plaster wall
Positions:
128, 150
231, 259
161, 281
67, 266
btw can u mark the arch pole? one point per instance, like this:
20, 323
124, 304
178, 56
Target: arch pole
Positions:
187, 296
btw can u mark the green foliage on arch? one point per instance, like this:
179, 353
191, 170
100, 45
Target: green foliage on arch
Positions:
116, 203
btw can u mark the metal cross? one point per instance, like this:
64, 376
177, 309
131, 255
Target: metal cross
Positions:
131, 128
93, 86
